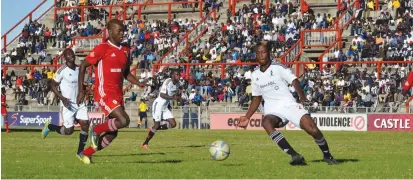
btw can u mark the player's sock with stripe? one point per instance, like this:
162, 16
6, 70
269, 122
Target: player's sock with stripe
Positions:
107, 126
150, 136
82, 141
56, 128
102, 144
279, 139
322, 143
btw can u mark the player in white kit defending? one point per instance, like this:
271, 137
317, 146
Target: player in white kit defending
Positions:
160, 109
270, 83
67, 80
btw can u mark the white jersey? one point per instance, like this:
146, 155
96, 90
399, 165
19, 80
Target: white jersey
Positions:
68, 79
272, 84
168, 88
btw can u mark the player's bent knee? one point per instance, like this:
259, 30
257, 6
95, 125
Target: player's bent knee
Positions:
69, 131
172, 123
270, 121
309, 126
84, 125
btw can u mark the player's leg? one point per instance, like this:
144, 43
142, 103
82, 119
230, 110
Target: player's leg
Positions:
83, 120
270, 122
308, 125
119, 119
157, 117
68, 117
6, 122
104, 141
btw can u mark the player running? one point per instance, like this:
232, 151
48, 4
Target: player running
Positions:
4, 109
111, 63
66, 79
270, 83
160, 110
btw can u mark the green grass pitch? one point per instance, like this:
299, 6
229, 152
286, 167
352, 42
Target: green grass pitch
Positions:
184, 154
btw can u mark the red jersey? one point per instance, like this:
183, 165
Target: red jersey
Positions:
110, 63
408, 84
3, 107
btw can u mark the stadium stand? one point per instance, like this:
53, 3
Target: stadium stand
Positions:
215, 51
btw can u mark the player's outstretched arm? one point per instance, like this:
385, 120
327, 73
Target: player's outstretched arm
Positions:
81, 90
132, 79
255, 103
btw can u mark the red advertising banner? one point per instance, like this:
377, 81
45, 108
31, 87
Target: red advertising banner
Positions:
390, 122
230, 120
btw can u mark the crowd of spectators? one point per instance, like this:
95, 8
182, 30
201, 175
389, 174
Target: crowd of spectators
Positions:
234, 41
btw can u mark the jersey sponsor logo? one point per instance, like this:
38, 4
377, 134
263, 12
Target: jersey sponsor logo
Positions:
115, 102
113, 55
271, 83
115, 70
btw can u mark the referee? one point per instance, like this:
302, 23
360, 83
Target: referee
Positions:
143, 108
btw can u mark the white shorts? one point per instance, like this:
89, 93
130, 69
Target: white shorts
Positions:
286, 111
160, 112
68, 116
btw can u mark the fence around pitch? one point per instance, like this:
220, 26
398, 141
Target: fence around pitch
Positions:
32, 15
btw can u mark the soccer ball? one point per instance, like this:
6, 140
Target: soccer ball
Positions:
219, 150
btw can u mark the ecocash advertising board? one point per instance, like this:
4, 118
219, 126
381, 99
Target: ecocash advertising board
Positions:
337, 122
230, 121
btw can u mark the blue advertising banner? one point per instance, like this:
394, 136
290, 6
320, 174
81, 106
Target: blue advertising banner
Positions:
32, 118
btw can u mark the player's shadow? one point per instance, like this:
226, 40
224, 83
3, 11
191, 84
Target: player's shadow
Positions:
231, 165
173, 161
338, 160
189, 146
137, 154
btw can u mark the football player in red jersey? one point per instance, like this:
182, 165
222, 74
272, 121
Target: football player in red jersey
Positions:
4, 109
112, 65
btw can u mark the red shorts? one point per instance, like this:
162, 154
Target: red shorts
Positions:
108, 104
3, 111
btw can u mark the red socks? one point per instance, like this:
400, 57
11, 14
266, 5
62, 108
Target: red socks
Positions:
107, 126
89, 151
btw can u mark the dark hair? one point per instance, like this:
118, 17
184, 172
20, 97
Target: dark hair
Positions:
268, 47
112, 22
174, 70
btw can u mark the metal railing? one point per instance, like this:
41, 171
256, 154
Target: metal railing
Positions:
346, 17
25, 20
183, 44
328, 55
292, 54
148, 5
318, 37
86, 44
